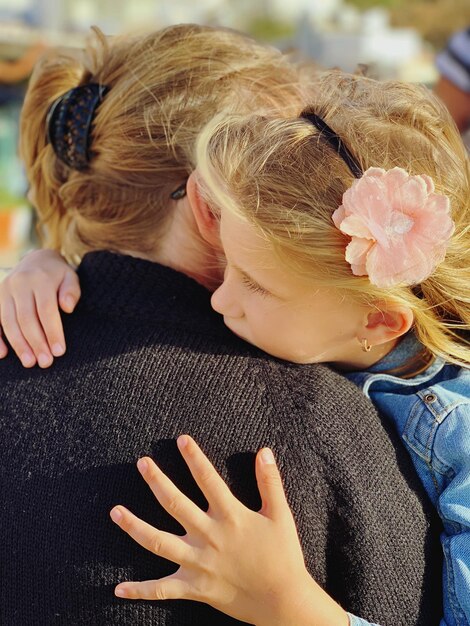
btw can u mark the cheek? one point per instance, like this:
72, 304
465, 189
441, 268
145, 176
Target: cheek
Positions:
257, 310
268, 324
290, 334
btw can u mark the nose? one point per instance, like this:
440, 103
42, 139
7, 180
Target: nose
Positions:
224, 300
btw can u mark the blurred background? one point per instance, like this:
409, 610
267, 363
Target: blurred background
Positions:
397, 38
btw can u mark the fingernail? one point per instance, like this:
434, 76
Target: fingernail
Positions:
116, 515
69, 303
267, 457
142, 466
44, 360
120, 592
58, 349
27, 359
182, 441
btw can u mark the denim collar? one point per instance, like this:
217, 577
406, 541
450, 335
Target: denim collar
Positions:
408, 347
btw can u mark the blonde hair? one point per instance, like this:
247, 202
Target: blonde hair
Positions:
164, 87
284, 178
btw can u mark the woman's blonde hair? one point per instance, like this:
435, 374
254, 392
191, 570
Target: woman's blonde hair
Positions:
287, 180
164, 87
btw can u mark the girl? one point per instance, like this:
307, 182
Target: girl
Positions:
347, 238
347, 241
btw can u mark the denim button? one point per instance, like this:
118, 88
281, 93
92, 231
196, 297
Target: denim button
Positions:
429, 398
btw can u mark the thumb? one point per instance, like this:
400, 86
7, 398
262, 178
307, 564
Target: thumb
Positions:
69, 291
169, 588
270, 485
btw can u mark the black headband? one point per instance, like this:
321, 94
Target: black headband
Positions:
69, 124
335, 142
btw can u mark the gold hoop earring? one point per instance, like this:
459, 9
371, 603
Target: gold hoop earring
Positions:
366, 347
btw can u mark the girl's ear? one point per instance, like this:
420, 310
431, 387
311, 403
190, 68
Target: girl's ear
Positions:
207, 223
387, 322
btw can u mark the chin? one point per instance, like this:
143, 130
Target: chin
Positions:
232, 329
296, 357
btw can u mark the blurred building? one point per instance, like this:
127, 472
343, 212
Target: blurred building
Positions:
334, 33
346, 38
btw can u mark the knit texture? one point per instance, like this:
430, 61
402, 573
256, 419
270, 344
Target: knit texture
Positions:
147, 360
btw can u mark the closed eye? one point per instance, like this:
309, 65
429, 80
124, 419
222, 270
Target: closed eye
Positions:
254, 287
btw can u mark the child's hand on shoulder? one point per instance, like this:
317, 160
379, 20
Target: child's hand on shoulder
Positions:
244, 563
30, 297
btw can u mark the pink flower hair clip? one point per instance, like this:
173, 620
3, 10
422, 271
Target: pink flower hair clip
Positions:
399, 227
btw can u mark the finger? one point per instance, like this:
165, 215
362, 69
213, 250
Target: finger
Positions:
270, 485
179, 506
13, 333
218, 495
30, 325
51, 322
69, 291
164, 544
3, 347
168, 588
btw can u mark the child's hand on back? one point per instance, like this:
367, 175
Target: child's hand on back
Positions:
30, 297
244, 563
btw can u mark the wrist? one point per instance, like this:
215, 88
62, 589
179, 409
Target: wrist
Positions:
305, 603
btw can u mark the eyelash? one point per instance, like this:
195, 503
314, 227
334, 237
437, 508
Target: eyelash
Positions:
254, 287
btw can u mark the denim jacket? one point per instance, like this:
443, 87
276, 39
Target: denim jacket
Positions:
431, 413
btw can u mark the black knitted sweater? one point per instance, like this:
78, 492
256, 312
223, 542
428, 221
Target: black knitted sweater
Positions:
148, 360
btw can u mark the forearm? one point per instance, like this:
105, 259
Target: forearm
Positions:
456, 100
11, 72
20, 69
456, 579
452, 449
